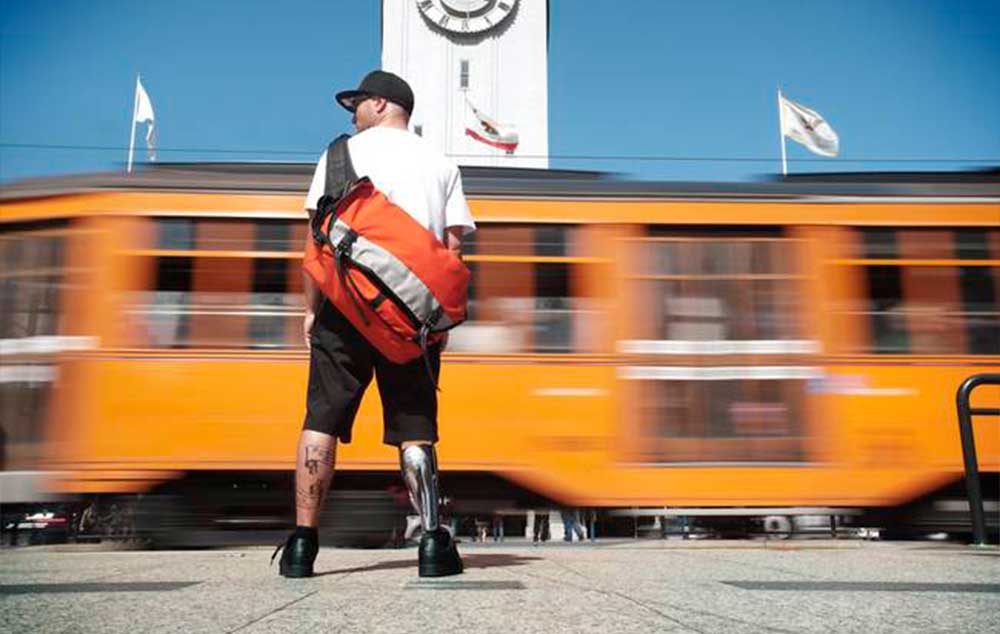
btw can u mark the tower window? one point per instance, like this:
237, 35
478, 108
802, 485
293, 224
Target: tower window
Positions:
463, 78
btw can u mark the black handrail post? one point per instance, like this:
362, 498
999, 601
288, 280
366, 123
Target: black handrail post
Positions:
965, 414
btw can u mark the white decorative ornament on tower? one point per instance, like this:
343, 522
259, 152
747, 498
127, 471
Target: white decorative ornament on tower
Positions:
479, 72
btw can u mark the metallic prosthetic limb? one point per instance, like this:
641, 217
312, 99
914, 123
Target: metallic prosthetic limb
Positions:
437, 554
419, 466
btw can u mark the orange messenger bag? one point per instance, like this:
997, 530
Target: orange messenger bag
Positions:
385, 272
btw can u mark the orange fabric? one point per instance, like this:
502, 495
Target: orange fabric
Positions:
386, 325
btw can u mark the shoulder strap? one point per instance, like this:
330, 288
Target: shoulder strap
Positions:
339, 169
339, 175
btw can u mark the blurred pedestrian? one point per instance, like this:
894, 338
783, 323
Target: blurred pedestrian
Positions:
571, 525
497, 527
541, 528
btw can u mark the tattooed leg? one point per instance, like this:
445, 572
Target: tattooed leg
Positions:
313, 474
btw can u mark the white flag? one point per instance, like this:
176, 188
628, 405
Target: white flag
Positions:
806, 126
144, 114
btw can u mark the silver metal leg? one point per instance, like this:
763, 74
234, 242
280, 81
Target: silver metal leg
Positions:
419, 466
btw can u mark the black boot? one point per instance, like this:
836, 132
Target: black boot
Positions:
438, 555
299, 553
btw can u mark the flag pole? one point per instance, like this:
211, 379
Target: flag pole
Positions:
781, 133
135, 108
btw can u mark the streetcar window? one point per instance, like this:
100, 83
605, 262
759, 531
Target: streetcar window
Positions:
30, 283
972, 244
167, 320
226, 234
238, 284
885, 301
519, 240
553, 309
550, 240
274, 235
979, 303
879, 244
918, 301
525, 292
717, 287
175, 233
24, 399
271, 301
980, 287
744, 420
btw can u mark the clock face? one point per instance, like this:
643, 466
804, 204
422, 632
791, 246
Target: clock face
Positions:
466, 16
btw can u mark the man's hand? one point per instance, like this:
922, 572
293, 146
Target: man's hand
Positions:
307, 325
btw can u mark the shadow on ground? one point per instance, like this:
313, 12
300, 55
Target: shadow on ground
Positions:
470, 561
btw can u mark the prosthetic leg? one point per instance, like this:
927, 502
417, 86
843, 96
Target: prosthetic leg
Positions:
438, 554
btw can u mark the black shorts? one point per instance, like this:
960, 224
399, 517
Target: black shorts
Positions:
341, 364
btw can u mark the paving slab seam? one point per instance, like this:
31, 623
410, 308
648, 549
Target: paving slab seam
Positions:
650, 608
272, 612
567, 568
612, 593
763, 628
730, 619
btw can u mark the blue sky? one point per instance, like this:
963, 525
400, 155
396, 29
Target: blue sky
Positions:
253, 79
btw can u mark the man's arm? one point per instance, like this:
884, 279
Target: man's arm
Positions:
311, 295
454, 240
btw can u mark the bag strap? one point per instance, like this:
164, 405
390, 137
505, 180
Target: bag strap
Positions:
339, 168
339, 176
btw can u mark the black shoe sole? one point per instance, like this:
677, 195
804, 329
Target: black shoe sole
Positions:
296, 572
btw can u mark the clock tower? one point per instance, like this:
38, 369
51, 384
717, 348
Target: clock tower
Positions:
479, 70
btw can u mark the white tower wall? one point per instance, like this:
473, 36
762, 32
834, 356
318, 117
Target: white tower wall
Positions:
507, 80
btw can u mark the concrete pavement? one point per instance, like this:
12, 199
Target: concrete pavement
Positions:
626, 586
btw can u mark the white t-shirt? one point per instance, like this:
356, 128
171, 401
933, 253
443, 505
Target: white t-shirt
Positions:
410, 173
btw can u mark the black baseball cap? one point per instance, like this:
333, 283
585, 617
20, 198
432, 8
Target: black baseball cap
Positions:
379, 83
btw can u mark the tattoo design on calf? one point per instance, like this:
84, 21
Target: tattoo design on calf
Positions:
318, 462
304, 498
317, 455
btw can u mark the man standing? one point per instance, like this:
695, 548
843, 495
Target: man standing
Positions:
427, 186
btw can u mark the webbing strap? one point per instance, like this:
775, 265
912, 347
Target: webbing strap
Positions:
342, 256
339, 168
339, 176
421, 338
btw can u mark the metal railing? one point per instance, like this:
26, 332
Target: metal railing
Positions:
965, 414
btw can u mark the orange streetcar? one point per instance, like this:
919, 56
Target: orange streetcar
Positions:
792, 344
